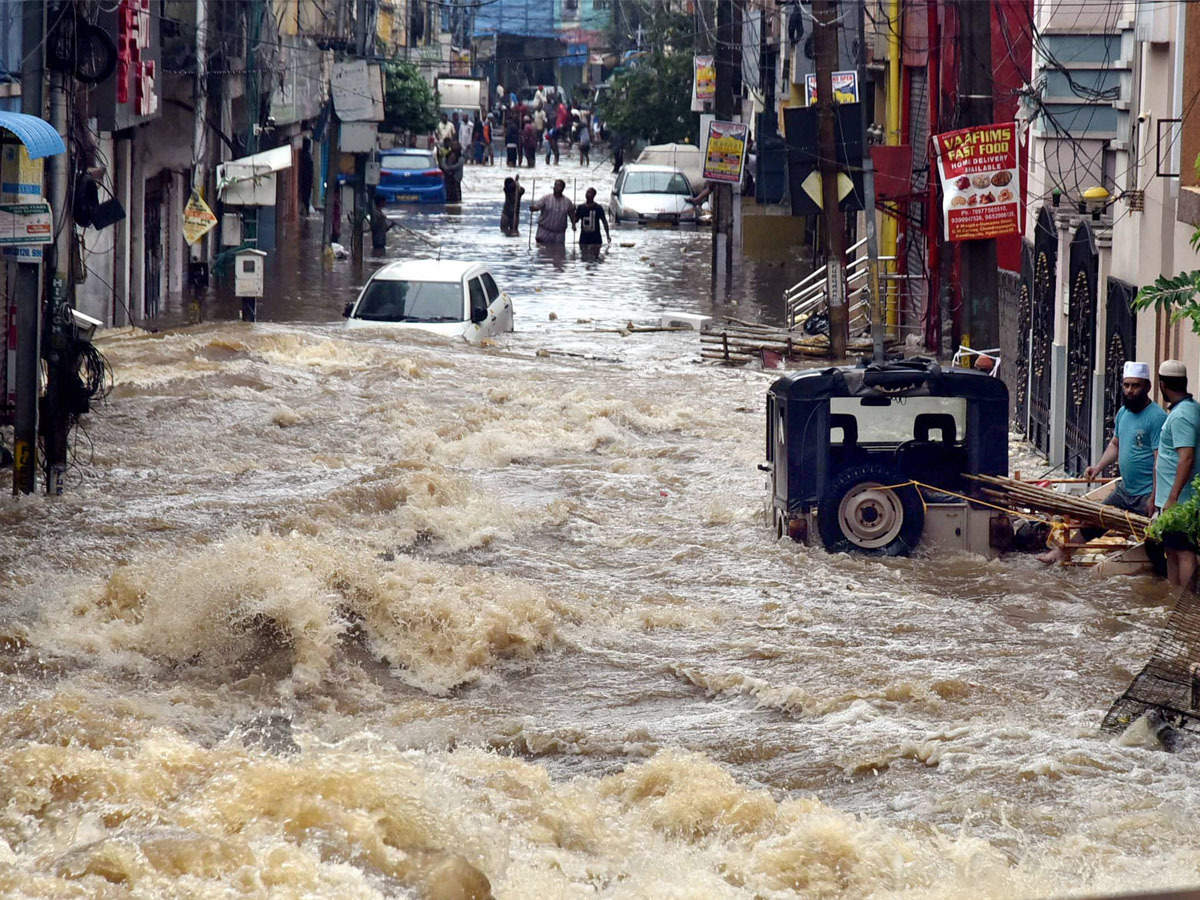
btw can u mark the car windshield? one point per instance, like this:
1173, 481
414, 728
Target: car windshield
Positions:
408, 161
411, 301
655, 183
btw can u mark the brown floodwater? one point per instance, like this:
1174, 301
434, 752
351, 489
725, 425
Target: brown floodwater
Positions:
333, 613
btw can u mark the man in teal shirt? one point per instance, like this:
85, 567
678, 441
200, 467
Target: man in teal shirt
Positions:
1175, 465
1133, 445
1134, 441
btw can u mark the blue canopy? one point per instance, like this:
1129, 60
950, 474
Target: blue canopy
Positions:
38, 135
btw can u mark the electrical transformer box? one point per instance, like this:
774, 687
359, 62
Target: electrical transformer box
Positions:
248, 273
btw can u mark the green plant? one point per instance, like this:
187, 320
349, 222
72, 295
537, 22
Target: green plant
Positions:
1176, 294
653, 100
1182, 517
408, 100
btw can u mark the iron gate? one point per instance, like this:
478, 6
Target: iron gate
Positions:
1120, 342
1020, 367
152, 247
1081, 349
1045, 272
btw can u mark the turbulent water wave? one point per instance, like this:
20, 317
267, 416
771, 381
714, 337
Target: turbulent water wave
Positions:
370, 614
225, 606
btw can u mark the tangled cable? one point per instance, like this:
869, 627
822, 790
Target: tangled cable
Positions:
95, 374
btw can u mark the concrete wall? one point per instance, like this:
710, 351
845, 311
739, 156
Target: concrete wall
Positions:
1151, 241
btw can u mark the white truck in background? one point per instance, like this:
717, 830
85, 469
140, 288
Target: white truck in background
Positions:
462, 94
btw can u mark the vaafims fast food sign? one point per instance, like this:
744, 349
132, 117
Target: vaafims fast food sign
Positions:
981, 193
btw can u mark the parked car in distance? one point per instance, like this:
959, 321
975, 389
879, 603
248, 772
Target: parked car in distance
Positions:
651, 193
449, 297
526, 94
410, 175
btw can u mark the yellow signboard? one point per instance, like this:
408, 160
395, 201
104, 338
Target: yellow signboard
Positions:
725, 151
198, 219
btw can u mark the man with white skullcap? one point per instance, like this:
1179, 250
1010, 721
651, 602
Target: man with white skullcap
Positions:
1175, 466
1133, 446
1134, 441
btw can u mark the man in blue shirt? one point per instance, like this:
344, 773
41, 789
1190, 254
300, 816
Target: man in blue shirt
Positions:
1132, 448
1175, 465
1134, 441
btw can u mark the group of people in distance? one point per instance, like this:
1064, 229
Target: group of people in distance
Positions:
1155, 453
555, 213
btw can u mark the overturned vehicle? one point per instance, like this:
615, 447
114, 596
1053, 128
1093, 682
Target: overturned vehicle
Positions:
873, 459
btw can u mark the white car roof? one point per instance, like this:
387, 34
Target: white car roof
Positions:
450, 270
654, 167
651, 167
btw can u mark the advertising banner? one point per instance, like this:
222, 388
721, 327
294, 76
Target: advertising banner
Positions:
26, 223
704, 83
198, 219
725, 151
845, 87
981, 196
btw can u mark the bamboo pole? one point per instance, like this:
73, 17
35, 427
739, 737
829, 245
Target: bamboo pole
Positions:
1024, 494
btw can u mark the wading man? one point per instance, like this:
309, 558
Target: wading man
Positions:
590, 217
556, 211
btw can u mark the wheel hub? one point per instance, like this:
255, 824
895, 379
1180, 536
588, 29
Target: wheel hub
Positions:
870, 515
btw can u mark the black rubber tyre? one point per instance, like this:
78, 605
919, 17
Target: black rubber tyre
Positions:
864, 515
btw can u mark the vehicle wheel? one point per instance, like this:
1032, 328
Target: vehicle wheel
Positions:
864, 515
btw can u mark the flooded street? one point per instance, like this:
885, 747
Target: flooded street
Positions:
333, 613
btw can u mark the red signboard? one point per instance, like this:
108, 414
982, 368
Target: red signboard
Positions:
981, 193
131, 96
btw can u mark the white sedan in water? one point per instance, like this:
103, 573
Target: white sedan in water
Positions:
651, 193
450, 297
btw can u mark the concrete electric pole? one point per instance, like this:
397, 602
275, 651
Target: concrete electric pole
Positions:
727, 61
27, 289
833, 224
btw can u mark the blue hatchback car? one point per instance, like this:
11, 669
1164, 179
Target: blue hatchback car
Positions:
409, 175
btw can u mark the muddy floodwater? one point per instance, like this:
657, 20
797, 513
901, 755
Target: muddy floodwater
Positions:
331, 613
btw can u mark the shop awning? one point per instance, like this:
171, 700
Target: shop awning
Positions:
257, 164
38, 135
250, 181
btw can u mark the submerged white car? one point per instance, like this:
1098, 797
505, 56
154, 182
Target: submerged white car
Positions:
651, 193
450, 297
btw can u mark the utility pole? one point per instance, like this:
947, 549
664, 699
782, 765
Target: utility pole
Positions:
833, 225
722, 193
365, 47
27, 287
200, 104
933, 225
331, 186
57, 347
980, 281
878, 306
